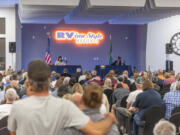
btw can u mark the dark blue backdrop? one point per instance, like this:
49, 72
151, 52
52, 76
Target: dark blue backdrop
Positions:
124, 40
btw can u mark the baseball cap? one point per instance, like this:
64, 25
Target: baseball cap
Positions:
38, 70
139, 80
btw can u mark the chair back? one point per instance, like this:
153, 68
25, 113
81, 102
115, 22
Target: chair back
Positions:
175, 110
151, 117
3, 126
109, 93
3, 122
175, 119
123, 101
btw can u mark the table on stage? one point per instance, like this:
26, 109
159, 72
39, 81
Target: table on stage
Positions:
59, 69
102, 70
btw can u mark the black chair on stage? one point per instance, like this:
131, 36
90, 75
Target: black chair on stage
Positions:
151, 117
175, 110
175, 119
3, 126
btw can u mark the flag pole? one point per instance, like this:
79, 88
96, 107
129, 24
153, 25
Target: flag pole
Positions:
110, 51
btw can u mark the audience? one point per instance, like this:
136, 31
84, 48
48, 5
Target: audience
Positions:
164, 128
144, 100
36, 106
42, 113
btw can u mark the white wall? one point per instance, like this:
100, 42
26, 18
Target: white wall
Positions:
9, 14
158, 34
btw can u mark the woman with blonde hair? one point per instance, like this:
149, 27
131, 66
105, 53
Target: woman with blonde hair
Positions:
77, 88
108, 91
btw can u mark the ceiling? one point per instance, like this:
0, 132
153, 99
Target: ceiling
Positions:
94, 11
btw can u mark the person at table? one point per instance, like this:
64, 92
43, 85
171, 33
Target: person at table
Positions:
117, 62
60, 62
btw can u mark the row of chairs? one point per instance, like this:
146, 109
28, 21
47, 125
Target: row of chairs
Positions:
151, 117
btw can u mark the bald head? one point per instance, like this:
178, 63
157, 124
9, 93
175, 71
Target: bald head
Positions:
76, 99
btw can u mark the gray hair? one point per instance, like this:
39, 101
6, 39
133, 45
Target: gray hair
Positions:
66, 80
164, 127
11, 95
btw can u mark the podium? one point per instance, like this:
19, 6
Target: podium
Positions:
59, 69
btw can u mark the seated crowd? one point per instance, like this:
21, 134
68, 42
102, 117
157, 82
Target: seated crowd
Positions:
43, 102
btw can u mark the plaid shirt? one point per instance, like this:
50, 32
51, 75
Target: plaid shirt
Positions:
171, 100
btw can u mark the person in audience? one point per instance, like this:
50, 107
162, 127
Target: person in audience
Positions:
106, 103
76, 99
121, 81
60, 62
42, 113
135, 69
59, 82
118, 95
117, 62
94, 73
144, 100
90, 104
4, 99
65, 73
132, 96
173, 85
110, 76
57, 76
169, 78
68, 97
62, 90
77, 74
77, 88
108, 91
172, 100
1, 88
96, 80
72, 81
155, 83
164, 127
10, 97
161, 74
66, 80
83, 79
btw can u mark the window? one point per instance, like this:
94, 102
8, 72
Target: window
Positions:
2, 26
2, 53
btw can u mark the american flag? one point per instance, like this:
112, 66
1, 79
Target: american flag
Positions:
48, 55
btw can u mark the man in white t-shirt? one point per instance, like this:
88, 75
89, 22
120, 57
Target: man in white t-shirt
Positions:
124, 113
10, 97
132, 96
43, 114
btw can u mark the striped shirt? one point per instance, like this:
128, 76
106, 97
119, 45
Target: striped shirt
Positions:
171, 100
